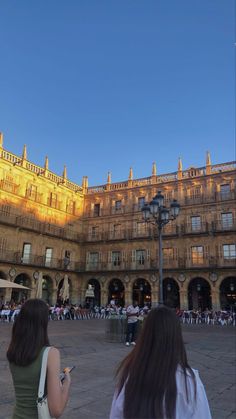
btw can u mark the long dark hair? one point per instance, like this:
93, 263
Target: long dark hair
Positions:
148, 372
29, 333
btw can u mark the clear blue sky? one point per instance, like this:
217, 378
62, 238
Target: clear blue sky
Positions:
103, 85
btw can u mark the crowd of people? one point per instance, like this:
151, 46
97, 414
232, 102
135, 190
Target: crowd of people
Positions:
66, 311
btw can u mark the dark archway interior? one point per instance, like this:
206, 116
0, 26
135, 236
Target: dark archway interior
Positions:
171, 293
142, 292
199, 294
228, 294
116, 292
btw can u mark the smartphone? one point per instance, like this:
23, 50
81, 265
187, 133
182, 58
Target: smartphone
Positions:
62, 375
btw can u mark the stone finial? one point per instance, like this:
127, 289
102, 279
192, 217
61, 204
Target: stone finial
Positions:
180, 166
180, 169
208, 163
131, 174
208, 159
24, 154
1, 139
64, 174
109, 177
85, 182
46, 163
154, 169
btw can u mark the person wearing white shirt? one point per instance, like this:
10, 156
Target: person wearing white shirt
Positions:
155, 380
132, 314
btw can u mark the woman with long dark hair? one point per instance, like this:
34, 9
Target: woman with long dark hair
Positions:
155, 380
29, 339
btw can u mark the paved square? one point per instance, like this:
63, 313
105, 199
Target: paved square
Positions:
211, 350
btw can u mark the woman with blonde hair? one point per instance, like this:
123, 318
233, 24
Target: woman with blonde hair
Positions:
155, 380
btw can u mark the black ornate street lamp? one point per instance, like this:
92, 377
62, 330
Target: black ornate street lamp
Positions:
156, 213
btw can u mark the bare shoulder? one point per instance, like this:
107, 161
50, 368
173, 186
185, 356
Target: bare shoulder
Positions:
53, 353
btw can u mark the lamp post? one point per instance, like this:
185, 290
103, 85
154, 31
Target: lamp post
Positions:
156, 213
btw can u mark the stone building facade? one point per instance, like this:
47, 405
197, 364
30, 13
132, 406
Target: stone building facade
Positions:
97, 238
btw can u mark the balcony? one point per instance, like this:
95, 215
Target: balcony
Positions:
35, 225
33, 195
223, 226
35, 260
9, 186
189, 228
194, 199
54, 204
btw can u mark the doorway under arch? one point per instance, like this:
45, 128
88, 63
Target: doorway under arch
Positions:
142, 292
18, 295
116, 292
96, 300
199, 294
228, 293
171, 293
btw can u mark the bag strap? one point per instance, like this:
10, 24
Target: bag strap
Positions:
43, 373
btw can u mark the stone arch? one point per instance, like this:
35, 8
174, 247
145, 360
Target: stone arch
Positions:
142, 291
93, 297
19, 295
171, 292
228, 293
116, 292
199, 294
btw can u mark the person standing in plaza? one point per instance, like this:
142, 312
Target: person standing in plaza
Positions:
155, 380
132, 314
28, 342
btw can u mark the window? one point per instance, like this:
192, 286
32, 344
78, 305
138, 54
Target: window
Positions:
168, 196
66, 259
96, 211
195, 192
227, 219
6, 209
116, 258
116, 230
48, 256
168, 253
53, 200
32, 192
141, 228
26, 254
225, 191
118, 205
229, 251
197, 254
93, 259
196, 223
94, 232
141, 202
140, 257
71, 207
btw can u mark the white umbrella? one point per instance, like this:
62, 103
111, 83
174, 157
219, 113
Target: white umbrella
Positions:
65, 289
8, 284
39, 289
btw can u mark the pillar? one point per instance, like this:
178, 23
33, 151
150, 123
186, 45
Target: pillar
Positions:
183, 299
215, 299
104, 297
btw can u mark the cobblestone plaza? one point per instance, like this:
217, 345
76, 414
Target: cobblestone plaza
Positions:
211, 350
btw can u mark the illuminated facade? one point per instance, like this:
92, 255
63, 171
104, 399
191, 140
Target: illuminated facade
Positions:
97, 237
